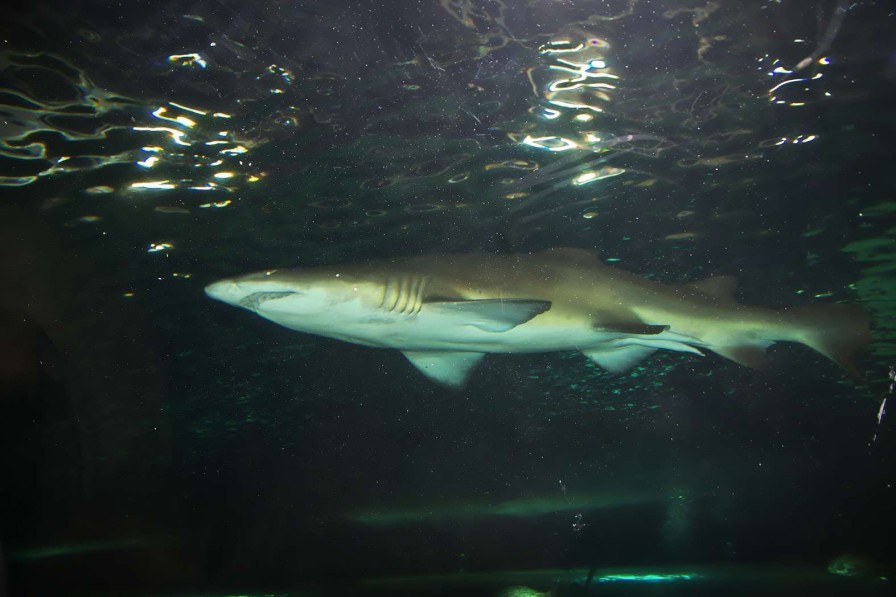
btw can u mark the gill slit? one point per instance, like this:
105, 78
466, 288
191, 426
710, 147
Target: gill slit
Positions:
390, 295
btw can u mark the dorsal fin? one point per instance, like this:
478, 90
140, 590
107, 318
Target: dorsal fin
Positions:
718, 287
570, 254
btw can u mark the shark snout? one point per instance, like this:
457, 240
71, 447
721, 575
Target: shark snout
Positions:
224, 290
249, 294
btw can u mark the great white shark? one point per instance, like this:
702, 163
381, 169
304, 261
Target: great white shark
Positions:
445, 312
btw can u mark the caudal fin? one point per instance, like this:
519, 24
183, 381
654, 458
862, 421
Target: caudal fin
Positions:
836, 331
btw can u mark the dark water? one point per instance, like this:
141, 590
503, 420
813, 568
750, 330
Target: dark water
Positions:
157, 443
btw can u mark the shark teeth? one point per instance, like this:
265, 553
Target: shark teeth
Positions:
254, 300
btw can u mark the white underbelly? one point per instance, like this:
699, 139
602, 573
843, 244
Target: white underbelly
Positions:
438, 333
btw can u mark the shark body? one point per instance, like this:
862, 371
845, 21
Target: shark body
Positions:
445, 312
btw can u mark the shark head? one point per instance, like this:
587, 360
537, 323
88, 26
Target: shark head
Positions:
375, 305
310, 300
254, 290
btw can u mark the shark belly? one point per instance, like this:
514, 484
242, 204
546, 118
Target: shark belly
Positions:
446, 332
446, 346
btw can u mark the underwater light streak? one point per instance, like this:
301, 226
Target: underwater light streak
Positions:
235, 150
778, 69
188, 109
183, 120
788, 82
512, 164
584, 178
16, 181
540, 143
188, 59
158, 185
576, 86
53, 551
883, 403
593, 176
796, 140
176, 135
217, 204
648, 578
583, 68
178, 121
582, 71
546, 50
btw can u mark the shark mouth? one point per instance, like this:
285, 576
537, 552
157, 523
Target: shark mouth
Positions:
254, 300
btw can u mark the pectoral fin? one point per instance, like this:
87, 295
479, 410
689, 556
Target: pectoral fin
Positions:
449, 368
491, 315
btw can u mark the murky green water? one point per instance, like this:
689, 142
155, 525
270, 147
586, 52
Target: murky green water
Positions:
156, 442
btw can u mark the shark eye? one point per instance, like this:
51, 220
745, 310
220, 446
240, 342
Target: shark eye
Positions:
270, 272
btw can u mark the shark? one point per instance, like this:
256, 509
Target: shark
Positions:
446, 312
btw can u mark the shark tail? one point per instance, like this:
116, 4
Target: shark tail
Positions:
836, 331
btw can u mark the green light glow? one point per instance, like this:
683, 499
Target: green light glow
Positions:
647, 578
521, 508
53, 551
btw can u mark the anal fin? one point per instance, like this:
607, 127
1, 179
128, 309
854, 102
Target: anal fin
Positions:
446, 367
619, 359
